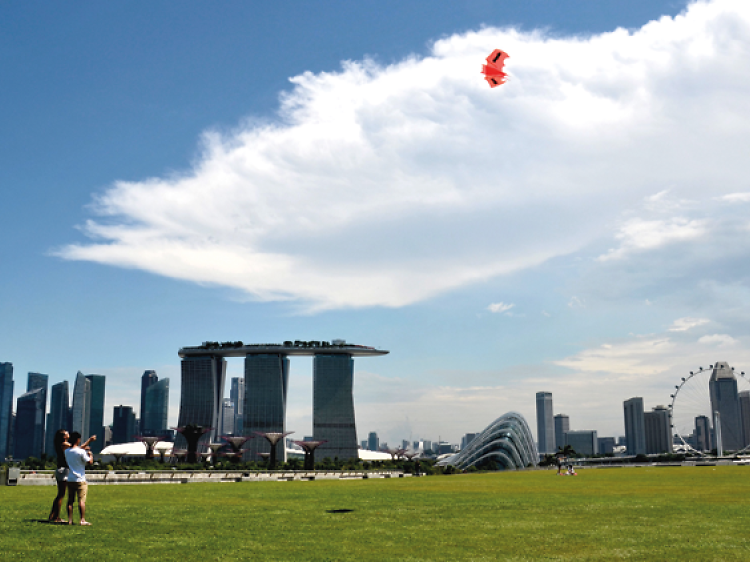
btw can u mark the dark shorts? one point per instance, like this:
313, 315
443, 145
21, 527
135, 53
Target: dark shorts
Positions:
77, 489
61, 475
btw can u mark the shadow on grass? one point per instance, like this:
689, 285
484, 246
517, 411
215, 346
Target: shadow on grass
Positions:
339, 510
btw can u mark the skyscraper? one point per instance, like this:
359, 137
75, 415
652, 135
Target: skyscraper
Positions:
147, 379
34, 382
545, 423
96, 411
59, 414
584, 442
744, 397
202, 392
123, 424
562, 424
155, 414
635, 431
81, 411
237, 397
373, 443
333, 406
722, 388
658, 429
702, 434
29, 427
6, 408
266, 382
227, 417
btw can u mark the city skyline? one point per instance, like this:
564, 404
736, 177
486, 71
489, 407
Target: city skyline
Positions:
161, 189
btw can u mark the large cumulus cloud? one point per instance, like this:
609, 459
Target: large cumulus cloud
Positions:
386, 185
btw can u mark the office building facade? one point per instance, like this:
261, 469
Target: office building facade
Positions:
373, 443
227, 417
6, 409
266, 382
148, 378
96, 411
545, 423
123, 425
39, 381
59, 414
658, 427
722, 388
155, 413
333, 407
702, 434
635, 431
81, 409
237, 397
744, 398
29, 425
562, 424
584, 442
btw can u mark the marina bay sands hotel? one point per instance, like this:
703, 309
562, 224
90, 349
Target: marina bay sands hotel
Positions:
266, 382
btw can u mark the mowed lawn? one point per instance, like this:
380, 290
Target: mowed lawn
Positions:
691, 513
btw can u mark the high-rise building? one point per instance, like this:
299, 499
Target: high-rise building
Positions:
266, 382
34, 382
562, 424
202, 393
722, 388
148, 378
123, 424
635, 430
59, 414
29, 427
237, 397
658, 427
333, 407
583, 442
606, 445
227, 417
6, 409
545, 423
466, 439
373, 443
702, 434
96, 411
744, 398
155, 414
81, 411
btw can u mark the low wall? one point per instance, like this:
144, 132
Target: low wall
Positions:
96, 477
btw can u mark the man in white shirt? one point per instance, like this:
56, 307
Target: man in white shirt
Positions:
77, 459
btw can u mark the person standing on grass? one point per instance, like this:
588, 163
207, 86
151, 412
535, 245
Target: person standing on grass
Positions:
77, 458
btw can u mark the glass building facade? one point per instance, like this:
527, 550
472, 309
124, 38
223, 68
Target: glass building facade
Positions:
6, 408
38, 381
156, 409
123, 425
59, 414
722, 387
545, 423
635, 429
507, 442
266, 383
201, 397
80, 412
29, 430
333, 407
96, 411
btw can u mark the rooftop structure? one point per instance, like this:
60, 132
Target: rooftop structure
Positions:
297, 347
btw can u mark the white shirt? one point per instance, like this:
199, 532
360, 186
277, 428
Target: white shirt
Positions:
77, 459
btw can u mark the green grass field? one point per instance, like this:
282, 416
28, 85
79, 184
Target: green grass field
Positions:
696, 513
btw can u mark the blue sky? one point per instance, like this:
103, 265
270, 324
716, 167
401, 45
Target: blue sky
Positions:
173, 174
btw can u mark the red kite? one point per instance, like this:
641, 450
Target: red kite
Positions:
493, 70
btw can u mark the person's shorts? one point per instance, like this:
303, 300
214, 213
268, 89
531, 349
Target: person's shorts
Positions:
61, 475
77, 489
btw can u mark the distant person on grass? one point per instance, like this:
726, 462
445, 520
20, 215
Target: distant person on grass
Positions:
61, 474
77, 458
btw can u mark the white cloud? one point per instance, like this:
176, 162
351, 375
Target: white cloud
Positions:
685, 324
386, 185
718, 340
498, 307
576, 302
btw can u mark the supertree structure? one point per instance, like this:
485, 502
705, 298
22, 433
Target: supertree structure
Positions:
309, 447
150, 443
192, 434
215, 451
236, 443
273, 439
395, 453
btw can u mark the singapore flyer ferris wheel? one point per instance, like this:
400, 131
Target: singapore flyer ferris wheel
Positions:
710, 410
